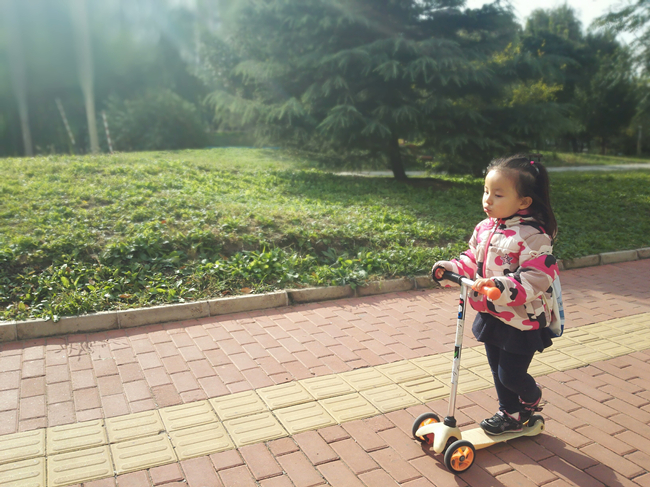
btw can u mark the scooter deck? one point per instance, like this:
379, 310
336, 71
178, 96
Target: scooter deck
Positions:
480, 439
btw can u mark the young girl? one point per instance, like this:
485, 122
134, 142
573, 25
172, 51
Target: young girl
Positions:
511, 250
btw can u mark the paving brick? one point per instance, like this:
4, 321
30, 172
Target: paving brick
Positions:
367, 439
402, 444
134, 479
282, 481
200, 472
34, 386
515, 479
32, 407
109, 482
226, 459
612, 460
315, 447
610, 477
301, 472
354, 456
166, 395
237, 477
283, 446
397, 467
569, 473
332, 434
566, 452
377, 478
338, 474
260, 461
526, 466
166, 474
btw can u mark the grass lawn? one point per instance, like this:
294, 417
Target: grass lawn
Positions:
93, 233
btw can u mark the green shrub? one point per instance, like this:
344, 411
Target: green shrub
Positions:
158, 120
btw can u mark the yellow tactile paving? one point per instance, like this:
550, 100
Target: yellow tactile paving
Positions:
79, 466
471, 357
142, 453
630, 325
426, 389
238, 405
585, 353
200, 440
600, 330
349, 407
608, 347
284, 395
402, 371
368, 378
187, 415
254, 429
390, 398
538, 368
26, 473
434, 364
470, 382
131, 426
560, 361
304, 417
327, 386
577, 335
632, 341
76, 436
22, 446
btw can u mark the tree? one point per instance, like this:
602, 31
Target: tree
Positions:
607, 102
85, 65
17, 67
343, 75
633, 18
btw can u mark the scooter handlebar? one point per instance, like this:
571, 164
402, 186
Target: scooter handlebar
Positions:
491, 292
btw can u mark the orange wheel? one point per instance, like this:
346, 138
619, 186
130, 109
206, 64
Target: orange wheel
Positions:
423, 420
460, 456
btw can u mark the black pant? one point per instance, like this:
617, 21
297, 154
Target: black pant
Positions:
511, 378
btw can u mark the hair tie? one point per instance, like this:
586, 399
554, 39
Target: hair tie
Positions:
532, 163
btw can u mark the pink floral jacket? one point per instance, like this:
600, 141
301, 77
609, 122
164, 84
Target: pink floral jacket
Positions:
516, 254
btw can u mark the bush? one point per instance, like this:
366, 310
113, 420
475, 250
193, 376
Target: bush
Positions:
158, 120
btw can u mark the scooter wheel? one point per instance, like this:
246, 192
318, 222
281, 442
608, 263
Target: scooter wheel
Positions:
460, 456
423, 420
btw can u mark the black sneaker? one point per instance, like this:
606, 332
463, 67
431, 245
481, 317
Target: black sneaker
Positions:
502, 422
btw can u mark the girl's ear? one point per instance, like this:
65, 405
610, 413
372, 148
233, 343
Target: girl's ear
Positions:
525, 202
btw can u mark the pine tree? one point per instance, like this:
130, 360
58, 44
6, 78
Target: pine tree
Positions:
359, 75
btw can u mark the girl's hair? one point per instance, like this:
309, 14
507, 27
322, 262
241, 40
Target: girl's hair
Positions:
531, 180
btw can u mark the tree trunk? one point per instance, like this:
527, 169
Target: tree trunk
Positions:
395, 158
17, 68
85, 64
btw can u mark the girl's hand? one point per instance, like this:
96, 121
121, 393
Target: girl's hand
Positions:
437, 270
481, 283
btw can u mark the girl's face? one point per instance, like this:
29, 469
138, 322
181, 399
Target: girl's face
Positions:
500, 197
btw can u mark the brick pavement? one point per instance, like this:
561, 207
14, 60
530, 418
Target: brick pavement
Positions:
598, 416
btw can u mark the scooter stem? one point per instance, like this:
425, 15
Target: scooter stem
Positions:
455, 369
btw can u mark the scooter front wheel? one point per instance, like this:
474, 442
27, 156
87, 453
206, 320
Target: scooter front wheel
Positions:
423, 420
460, 456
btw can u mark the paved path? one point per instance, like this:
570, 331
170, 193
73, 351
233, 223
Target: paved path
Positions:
326, 394
590, 167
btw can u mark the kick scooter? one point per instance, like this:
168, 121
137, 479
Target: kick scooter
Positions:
459, 448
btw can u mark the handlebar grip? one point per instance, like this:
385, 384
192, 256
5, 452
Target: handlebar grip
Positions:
452, 276
491, 292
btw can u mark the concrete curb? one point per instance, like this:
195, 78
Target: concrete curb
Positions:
130, 318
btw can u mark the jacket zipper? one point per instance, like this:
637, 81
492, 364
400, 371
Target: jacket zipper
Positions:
487, 248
